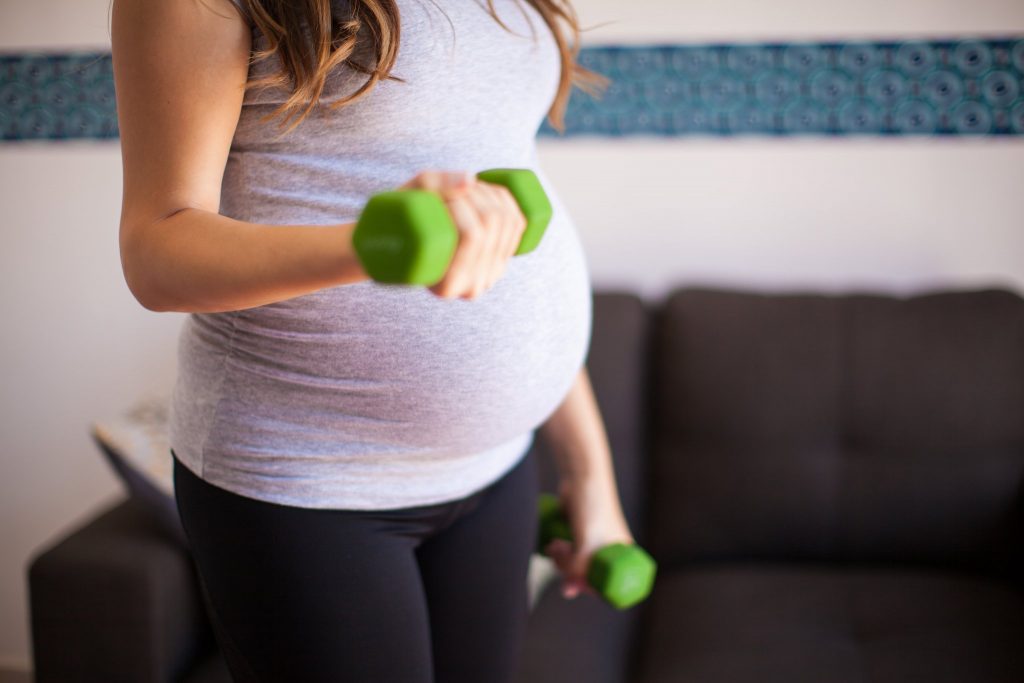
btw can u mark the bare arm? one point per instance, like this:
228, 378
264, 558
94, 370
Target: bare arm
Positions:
576, 434
179, 71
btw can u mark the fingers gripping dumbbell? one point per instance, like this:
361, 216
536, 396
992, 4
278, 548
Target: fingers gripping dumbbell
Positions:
408, 237
621, 574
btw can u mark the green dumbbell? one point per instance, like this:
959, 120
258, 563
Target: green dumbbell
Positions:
621, 574
408, 237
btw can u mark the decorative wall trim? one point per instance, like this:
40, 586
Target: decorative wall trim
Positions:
955, 87
966, 87
57, 96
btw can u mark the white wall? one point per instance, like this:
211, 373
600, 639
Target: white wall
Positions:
770, 214
893, 215
672, 21
75, 347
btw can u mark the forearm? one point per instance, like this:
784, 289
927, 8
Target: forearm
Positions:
199, 261
576, 434
587, 490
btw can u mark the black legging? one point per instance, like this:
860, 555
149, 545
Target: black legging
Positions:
433, 593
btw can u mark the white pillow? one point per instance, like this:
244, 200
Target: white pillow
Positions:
137, 447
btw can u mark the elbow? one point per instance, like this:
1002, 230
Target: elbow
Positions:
149, 302
143, 291
139, 274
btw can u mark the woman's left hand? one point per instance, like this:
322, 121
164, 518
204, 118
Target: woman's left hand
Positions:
596, 519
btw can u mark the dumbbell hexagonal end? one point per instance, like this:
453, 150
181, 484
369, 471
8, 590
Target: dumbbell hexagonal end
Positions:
623, 574
405, 237
531, 197
552, 523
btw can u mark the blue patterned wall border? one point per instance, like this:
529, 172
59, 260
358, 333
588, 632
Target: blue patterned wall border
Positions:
57, 96
951, 87
964, 87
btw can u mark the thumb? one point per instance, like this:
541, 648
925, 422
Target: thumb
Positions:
571, 563
577, 575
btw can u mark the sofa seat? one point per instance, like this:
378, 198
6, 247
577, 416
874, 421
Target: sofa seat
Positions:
740, 623
828, 483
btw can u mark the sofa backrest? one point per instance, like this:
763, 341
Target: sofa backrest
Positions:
838, 427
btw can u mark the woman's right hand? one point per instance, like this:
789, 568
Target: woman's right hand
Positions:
490, 226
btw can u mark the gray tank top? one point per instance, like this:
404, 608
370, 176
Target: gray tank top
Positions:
369, 396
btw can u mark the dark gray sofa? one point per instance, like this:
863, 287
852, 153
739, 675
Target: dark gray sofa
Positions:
832, 486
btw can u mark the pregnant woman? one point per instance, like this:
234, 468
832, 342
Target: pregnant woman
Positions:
351, 458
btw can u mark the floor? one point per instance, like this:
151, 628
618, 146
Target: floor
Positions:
15, 676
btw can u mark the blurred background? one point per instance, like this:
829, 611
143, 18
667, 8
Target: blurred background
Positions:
863, 182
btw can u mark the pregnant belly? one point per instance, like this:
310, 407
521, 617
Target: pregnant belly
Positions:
371, 368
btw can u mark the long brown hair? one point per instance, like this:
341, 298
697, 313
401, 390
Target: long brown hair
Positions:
310, 41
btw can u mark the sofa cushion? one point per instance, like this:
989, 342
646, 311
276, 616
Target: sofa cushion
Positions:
772, 622
822, 426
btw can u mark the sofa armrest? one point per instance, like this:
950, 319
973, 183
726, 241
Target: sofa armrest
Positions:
116, 600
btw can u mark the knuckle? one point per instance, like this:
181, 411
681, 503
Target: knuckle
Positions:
472, 234
430, 180
490, 195
420, 181
456, 208
506, 194
493, 221
514, 231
